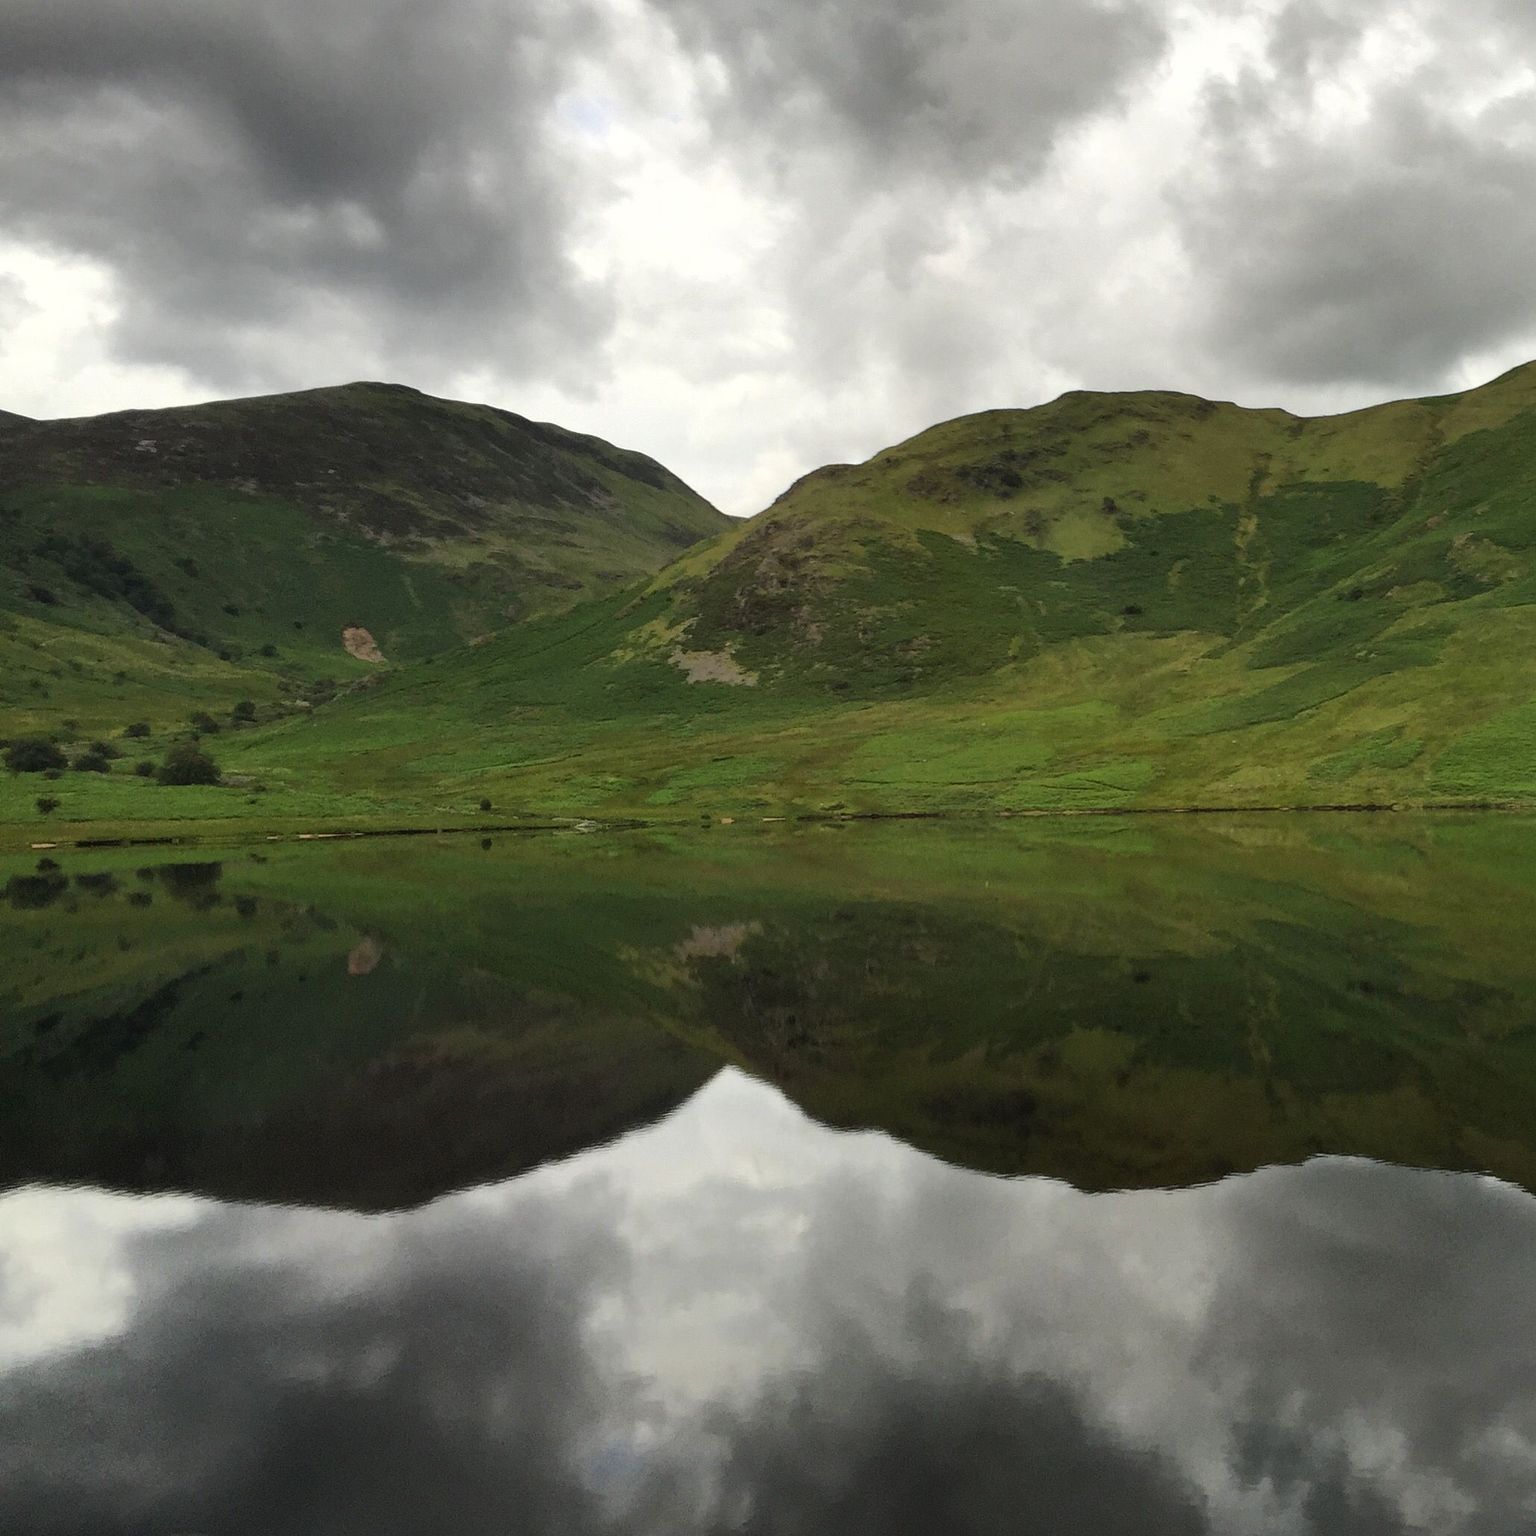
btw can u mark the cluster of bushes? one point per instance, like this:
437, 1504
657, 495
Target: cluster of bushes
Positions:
35, 754
205, 724
97, 758
98, 567
185, 763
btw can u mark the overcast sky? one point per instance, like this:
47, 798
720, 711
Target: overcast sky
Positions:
753, 236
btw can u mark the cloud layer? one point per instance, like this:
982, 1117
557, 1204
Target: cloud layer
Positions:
254, 175
751, 236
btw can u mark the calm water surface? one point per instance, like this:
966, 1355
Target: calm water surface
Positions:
1119, 1177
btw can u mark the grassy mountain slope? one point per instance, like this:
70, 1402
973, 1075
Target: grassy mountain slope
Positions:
154, 562
1142, 600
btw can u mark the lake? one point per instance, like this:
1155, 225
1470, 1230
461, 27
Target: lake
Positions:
1117, 1174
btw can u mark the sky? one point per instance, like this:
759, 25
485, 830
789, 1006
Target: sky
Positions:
750, 237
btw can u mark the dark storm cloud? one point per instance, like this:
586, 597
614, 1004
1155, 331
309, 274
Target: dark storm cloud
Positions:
952, 88
303, 167
1375, 245
451, 1389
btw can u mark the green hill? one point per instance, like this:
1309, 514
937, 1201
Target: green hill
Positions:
1110, 601
157, 562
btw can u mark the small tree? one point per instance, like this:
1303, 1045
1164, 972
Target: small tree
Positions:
34, 754
485, 805
47, 804
187, 763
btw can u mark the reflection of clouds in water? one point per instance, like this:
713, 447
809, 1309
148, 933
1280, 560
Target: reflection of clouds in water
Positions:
738, 1320
439, 1379
64, 1276
1383, 1328
938, 1435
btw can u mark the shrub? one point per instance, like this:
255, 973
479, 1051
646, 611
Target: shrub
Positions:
204, 722
47, 804
485, 805
244, 710
105, 749
91, 762
187, 763
139, 729
269, 649
145, 770
33, 754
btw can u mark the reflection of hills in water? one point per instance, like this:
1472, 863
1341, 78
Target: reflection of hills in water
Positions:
1115, 1004
740, 1321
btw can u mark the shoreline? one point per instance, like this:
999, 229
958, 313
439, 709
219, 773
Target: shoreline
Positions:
204, 834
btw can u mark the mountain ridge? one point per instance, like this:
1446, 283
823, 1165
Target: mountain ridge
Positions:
1140, 601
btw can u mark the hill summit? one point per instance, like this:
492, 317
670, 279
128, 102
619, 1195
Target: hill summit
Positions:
216, 550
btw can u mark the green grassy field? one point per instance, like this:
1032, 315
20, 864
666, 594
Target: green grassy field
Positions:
1114, 1002
1112, 602
158, 563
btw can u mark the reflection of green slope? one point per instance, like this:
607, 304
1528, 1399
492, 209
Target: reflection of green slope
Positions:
1148, 1005
1110, 1003
254, 1045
